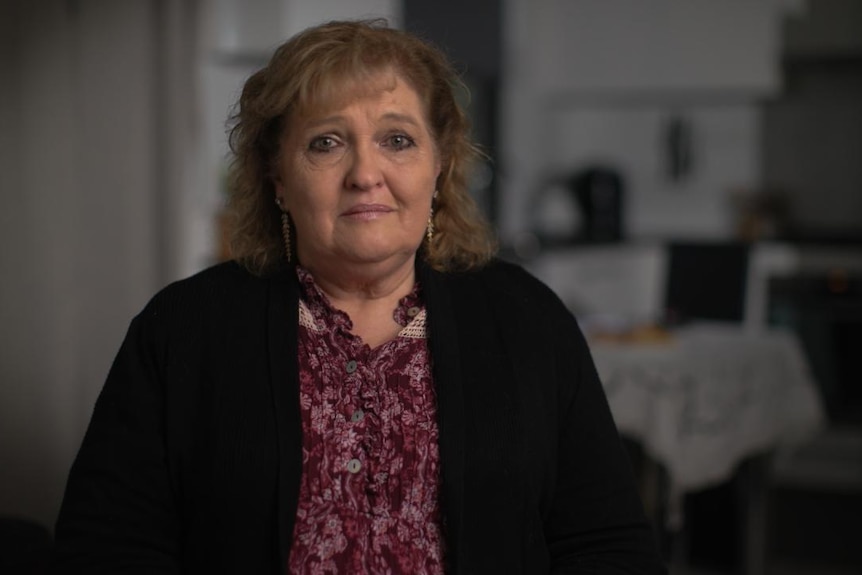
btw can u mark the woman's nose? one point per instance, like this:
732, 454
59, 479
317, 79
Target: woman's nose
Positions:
365, 170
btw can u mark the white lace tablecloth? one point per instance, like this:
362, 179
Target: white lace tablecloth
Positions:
711, 397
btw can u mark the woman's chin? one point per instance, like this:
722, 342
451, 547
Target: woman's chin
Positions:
373, 257
375, 250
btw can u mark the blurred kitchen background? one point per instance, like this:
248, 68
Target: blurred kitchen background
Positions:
686, 174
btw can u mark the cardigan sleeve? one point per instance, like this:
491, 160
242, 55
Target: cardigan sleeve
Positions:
597, 523
118, 512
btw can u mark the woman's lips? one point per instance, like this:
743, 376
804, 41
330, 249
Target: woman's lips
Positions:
367, 211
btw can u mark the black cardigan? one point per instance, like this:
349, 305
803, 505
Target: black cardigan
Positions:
192, 460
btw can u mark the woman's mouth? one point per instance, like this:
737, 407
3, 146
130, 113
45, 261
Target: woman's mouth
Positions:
367, 211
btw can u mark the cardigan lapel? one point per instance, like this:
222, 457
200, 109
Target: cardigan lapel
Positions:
446, 365
283, 324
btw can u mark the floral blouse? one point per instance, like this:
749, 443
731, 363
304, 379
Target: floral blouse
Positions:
369, 495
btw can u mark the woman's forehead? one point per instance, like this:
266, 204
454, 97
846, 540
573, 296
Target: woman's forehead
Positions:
338, 91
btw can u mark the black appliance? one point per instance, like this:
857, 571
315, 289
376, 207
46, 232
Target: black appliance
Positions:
598, 192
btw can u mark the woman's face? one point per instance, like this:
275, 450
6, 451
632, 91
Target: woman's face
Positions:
358, 180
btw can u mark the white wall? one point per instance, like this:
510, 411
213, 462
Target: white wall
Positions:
88, 197
631, 137
590, 80
595, 46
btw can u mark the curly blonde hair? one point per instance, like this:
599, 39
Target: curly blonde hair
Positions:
313, 69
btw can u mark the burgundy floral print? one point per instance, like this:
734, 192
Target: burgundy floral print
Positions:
368, 499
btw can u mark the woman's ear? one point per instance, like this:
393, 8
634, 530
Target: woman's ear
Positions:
280, 193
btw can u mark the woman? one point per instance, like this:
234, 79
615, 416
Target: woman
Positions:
365, 390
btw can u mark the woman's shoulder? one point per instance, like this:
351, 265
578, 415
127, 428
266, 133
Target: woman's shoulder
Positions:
510, 281
222, 287
211, 280
502, 289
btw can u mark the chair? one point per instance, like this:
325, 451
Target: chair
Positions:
706, 281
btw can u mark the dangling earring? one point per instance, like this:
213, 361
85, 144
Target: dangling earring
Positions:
285, 228
429, 229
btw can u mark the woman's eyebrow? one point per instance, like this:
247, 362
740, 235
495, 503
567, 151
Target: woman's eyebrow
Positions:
311, 124
338, 118
399, 117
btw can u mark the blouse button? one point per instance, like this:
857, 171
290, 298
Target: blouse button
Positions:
354, 465
357, 416
413, 311
351, 366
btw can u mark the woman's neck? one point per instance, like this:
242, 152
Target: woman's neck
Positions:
369, 298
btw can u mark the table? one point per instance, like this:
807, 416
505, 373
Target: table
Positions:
705, 400
709, 397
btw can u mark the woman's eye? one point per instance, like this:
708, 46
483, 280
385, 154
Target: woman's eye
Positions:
322, 144
399, 142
